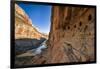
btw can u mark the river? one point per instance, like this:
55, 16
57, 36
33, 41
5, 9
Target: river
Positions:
36, 51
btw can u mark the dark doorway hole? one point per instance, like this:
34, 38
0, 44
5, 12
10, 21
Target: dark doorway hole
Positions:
80, 24
89, 17
43, 61
74, 26
68, 27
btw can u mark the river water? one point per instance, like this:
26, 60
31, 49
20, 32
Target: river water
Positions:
36, 51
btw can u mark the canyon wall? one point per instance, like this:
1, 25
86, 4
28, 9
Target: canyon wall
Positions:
27, 36
24, 27
71, 37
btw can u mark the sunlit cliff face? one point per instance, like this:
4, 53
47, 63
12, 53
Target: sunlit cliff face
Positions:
24, 27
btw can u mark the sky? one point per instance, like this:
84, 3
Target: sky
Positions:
39, 14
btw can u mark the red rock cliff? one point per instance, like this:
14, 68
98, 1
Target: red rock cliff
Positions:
24, 27
71, 37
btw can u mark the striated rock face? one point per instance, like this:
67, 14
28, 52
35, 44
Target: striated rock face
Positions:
27, 36
24, 27
71, 37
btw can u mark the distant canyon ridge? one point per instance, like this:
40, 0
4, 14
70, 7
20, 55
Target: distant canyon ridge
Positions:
27, 35
24, 27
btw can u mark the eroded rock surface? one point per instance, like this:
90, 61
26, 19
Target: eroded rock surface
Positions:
71, 37
24, 27
27, 36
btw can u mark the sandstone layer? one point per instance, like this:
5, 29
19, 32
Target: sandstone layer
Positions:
71, 37
27, 36
24, 27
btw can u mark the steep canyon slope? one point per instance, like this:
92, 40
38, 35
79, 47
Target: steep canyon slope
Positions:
71, 37
24, 27
27, 36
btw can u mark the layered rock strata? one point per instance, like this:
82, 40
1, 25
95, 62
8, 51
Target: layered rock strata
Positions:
27, 36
